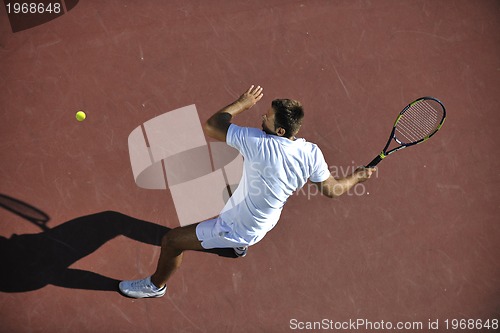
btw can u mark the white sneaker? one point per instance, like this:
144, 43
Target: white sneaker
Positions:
141, 288
241, 251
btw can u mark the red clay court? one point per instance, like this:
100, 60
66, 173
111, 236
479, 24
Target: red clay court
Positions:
422, 248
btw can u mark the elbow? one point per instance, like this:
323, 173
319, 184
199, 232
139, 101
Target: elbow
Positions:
217, 126
336, 194
208, 124
329, 188
332, 195
209, 127
215, 129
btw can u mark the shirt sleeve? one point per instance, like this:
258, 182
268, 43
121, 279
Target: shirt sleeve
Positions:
244, 139
320, 168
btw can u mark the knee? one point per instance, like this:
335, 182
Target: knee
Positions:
180, 239
171, 239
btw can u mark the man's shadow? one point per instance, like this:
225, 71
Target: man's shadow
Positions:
33, 261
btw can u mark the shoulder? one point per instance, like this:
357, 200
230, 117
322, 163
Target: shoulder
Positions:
236, 131
310, 147
245, 139
245, 130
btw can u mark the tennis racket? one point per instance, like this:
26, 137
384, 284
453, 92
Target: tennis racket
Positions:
417, 122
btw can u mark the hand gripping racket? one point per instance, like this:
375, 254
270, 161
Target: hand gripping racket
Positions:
417, 122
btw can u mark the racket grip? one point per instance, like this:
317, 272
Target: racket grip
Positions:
374, 162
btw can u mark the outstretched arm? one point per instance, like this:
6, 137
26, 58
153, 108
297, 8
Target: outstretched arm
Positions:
216, 126
333, 187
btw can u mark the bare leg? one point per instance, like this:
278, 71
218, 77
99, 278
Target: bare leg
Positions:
173, 244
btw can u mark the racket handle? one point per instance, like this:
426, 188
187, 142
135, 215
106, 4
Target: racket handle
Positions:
374, 162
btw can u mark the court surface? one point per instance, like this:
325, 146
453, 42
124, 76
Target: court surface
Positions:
422, 248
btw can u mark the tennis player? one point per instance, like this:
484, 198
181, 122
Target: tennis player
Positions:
276, 164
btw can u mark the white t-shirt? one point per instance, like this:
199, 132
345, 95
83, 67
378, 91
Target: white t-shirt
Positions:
274, 167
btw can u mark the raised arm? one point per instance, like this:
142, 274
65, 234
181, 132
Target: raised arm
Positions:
333, 187
217, 125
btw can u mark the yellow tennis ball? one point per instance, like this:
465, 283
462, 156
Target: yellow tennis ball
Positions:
80, 116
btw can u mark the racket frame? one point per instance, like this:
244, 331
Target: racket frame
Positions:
402, 145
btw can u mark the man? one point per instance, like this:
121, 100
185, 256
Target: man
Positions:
276, 164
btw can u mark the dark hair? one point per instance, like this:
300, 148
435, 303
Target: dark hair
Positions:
288, 115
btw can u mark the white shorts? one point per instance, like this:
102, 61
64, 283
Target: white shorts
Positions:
215, 233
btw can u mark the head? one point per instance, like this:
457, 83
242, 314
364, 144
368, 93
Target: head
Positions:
283, 118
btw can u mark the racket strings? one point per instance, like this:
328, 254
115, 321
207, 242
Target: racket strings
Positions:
414, 129
418, 122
